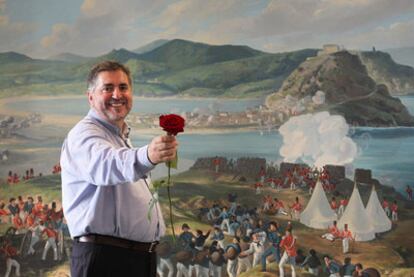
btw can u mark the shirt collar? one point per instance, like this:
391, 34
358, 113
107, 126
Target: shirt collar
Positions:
113, 128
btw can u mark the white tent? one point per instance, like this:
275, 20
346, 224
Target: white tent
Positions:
318, 213
376, 214
357, 219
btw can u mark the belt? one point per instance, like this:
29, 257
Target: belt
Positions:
118, 242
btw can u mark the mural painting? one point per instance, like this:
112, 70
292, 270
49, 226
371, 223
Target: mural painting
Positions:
297, 152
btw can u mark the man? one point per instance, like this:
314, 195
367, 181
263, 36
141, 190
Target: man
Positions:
342, 204
346, 235
409, 192
386, 207
200, 239
348, 268
13, 207
288, 243
243, 260
185, 239
234, 225
296, 209
359, 271
51, 235
232, 261
312, 262
216, 254
218, 235
333, 232
332, 267
10, 253
394, 211
274, 237
256, 249
224, 216
105, 183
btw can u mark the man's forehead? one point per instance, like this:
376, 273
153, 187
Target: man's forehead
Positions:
112, 77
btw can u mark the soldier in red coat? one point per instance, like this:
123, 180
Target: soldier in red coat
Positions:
386, 207
11, 253
10, 178
296, 209
288, 244
334, 205
394, 211
346, 235
18, 224
51, 242
16, 178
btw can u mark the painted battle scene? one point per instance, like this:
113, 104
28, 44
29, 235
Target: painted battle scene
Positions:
296, 157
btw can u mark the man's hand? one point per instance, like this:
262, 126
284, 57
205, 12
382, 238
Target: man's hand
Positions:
162, 149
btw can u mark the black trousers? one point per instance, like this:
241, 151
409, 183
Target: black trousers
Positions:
97, 260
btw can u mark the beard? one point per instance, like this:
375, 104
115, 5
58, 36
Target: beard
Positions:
114, 110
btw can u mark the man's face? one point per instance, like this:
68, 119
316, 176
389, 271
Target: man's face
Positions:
112, 96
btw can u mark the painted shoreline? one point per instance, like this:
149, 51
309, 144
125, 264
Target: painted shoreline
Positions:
68, 121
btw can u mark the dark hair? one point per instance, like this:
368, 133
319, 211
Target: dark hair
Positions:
347, 260
359, 265
312, 252
274, 223
106, 66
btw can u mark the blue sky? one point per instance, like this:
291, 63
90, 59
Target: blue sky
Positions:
41, 28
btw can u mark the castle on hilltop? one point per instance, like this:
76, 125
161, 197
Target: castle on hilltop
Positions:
330, 49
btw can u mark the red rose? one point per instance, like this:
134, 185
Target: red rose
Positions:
172, 123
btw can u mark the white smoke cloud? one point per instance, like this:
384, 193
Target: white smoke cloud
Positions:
317, 139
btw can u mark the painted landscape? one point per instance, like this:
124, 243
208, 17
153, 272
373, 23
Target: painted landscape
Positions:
286, 135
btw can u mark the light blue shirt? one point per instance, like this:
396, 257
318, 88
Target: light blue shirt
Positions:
105, 188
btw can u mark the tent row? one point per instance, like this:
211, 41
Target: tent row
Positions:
363, 222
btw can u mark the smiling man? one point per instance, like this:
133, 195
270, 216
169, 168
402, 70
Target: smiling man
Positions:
105, 183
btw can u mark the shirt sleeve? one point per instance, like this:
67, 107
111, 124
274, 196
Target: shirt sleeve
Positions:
89, 153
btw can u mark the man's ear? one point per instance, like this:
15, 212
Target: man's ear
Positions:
90, 96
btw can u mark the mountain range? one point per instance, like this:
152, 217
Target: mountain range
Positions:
182, 68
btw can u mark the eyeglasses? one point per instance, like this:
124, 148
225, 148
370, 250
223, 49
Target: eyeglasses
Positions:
110, 88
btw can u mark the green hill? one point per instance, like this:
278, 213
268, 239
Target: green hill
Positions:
122, 55
398, 78
348, 90
180, 54
224, 77
13, 57
150, 46
180, 67
176, 67
68, 57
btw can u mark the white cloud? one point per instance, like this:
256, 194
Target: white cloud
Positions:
317, 139
278, 25
398, 34
2, 5
102, 26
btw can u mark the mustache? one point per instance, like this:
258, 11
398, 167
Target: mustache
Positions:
117, 101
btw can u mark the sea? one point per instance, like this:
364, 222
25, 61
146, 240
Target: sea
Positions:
388, 152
